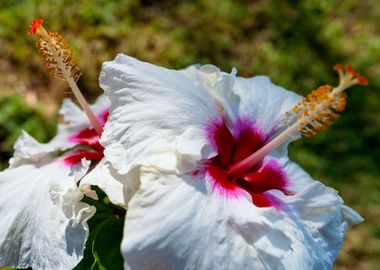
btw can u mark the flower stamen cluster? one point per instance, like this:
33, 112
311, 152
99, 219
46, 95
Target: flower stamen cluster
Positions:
58, 58
315, 111
310, 115
65, 54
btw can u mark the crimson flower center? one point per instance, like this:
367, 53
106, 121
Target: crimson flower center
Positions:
233, 145
87, 143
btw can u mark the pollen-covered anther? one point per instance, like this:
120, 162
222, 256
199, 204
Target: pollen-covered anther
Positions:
315, 111
55, 52
60, 58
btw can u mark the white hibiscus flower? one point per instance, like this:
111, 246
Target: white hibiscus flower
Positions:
217, 188
43, 222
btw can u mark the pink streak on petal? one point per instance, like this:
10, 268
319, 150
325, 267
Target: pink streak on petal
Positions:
221, 184
86, 137
76, 157
89, 136
103, 115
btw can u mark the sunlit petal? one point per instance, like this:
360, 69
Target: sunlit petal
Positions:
43, 223
181, 223
119, 188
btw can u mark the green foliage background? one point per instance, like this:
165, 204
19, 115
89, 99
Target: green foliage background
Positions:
296, 43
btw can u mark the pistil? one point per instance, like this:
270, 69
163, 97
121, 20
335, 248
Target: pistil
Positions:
57, 55
313, 114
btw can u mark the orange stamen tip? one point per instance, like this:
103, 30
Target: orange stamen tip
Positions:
34, 25
349, 69
354, 73
362, 80
338, 67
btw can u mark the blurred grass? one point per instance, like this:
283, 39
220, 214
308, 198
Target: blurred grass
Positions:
294, 42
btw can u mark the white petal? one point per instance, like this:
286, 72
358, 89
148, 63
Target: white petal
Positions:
152, 109
29, 151
319, 207
322, 212
350, 216
119, 188
220, 85
76, 120
74, 117
71, 113
179, 223
264, 102
297, 177
43, 224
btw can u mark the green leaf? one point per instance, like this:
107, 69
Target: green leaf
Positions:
105, 213
106, 245
88, 259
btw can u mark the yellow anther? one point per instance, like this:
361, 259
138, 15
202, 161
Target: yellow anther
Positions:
314, 111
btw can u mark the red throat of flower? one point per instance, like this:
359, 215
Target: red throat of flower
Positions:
87, 144
233, 147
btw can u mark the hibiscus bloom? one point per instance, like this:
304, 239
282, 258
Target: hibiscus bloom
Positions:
206, 199
43, 222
